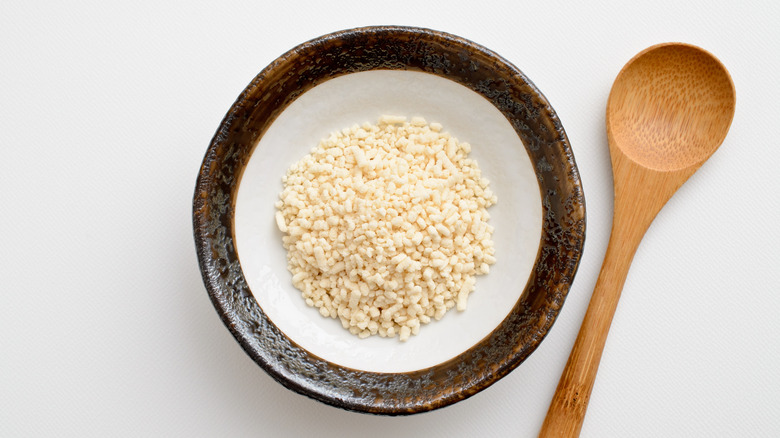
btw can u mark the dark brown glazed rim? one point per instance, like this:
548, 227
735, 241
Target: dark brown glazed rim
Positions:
395, 48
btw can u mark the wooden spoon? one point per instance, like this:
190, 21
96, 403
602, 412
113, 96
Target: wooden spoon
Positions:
669, 110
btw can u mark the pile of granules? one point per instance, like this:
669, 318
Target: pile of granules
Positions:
386, 226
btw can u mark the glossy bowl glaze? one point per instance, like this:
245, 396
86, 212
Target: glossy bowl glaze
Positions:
541, 293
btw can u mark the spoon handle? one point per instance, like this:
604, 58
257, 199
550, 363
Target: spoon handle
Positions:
568, 406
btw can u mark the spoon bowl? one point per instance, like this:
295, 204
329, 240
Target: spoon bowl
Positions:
670, 107
669, 110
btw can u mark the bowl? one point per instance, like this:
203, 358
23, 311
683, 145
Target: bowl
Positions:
355, 76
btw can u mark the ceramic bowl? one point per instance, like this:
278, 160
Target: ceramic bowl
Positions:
356, 76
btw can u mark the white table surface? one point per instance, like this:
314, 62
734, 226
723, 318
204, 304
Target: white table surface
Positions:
106, 329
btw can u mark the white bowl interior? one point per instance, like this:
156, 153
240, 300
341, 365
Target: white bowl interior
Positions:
364, 97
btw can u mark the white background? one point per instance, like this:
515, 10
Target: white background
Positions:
105, 325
